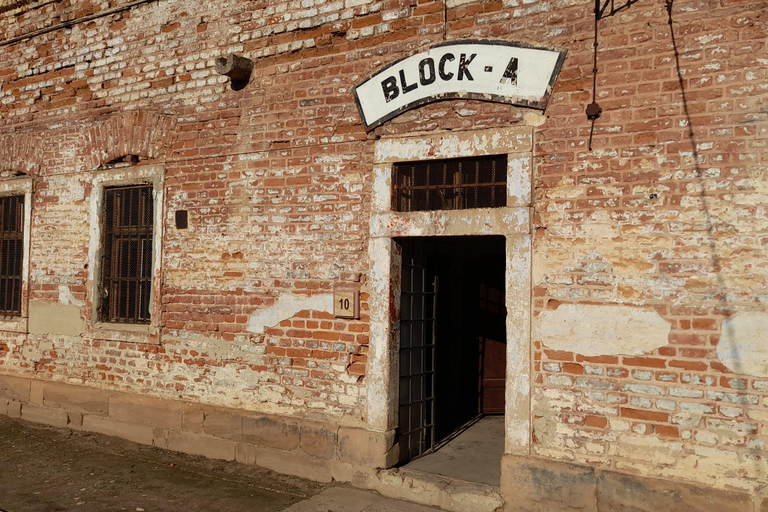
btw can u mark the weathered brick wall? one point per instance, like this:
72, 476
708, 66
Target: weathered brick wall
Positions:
667, 215
265, 217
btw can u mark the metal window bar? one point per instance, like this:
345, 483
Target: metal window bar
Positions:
126, 284
11, 254
417, 355
455, 184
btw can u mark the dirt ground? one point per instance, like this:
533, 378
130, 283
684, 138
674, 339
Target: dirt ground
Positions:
46, 469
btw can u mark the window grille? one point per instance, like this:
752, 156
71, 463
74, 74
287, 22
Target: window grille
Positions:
11, 253
455, 184
126, 283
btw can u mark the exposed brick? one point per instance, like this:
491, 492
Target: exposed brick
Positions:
573, 368
596, 421
647, 362
639, 414
666, 431
277, 182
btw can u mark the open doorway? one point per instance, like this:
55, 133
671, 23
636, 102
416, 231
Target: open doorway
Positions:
452, 353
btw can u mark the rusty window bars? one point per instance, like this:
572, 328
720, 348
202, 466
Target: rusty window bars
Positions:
453, 184
126, 268
11, 254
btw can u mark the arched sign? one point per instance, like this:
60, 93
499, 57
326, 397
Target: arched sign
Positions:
500, 71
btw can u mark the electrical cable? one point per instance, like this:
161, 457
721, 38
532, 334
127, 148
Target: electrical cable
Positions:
76, 21
593, 109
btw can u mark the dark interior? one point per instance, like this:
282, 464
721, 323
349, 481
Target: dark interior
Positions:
470, 333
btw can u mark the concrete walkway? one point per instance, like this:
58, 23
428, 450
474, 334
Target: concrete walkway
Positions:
46, 469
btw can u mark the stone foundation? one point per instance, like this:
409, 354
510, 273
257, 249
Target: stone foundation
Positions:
326, 452
310, 449
538, 485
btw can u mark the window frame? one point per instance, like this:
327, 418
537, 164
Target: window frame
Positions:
22, 186
113, 241
454, 189
153, 175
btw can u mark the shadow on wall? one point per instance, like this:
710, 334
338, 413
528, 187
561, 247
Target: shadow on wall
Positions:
715, 255
727, 329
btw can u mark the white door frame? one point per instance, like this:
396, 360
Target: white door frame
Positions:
512, 222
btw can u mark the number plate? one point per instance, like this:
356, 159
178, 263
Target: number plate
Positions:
345, 303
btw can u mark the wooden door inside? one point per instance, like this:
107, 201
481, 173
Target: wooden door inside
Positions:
493, 349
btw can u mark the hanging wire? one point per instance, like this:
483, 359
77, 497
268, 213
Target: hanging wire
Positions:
593, 109
601, 11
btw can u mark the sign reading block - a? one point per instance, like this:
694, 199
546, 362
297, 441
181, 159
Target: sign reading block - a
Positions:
499, 71
346, 303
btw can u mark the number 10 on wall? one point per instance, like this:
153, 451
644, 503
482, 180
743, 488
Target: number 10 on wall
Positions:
346, 303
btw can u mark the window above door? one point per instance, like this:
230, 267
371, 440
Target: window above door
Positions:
451, 184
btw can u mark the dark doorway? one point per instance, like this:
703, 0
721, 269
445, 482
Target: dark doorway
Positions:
452, 337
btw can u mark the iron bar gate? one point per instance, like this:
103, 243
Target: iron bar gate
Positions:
418, 308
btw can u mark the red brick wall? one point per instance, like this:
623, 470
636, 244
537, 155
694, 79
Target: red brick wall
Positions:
276, 179
666, 213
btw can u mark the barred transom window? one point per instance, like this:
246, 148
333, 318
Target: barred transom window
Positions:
454, 184
126, 283
11, 253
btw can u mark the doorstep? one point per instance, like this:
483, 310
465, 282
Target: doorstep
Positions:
436, 491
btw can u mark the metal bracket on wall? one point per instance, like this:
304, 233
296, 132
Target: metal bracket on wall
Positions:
601, 11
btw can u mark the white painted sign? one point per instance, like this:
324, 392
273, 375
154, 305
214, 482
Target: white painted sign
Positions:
498, 71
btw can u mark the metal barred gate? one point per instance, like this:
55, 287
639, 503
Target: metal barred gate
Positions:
418, 307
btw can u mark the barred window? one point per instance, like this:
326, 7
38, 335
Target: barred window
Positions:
126, 270
11, 253
455, 184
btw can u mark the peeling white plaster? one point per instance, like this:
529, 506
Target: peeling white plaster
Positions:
37, 351
534, 119
517, 435
381, 198
518, 373
286, 307
592, 330
519, 181
457, 3
742, 347
66, 297
384, 338
482, 221
460, 144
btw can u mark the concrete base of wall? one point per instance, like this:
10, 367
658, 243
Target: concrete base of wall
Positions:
326, 452
314, 450
532, 484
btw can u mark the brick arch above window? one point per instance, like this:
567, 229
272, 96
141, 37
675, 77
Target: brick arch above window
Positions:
20, 153
144, 134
